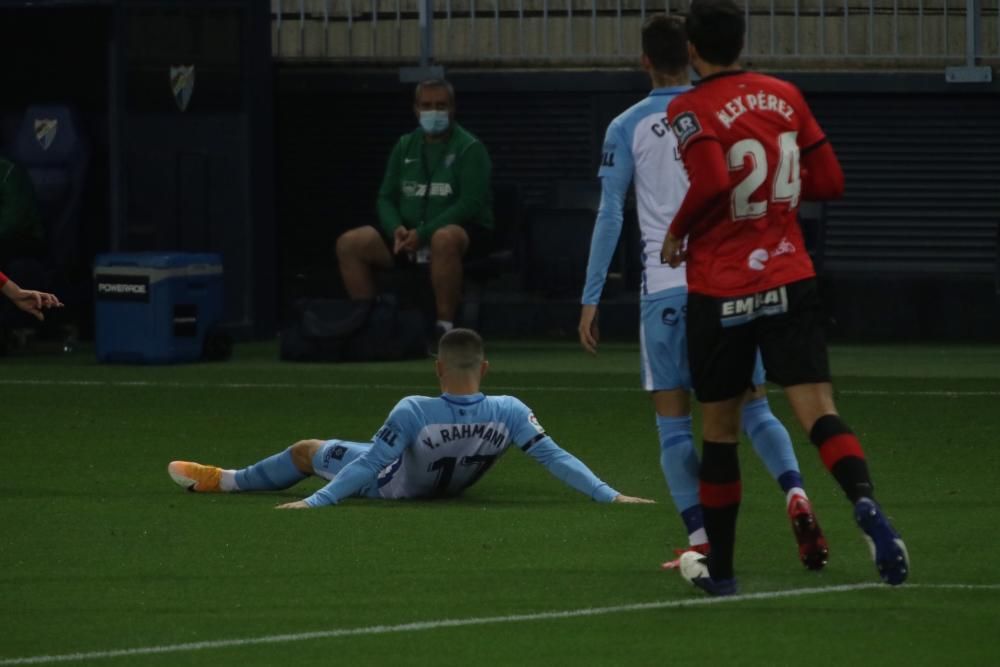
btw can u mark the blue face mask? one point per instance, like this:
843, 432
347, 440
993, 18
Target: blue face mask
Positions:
434, 122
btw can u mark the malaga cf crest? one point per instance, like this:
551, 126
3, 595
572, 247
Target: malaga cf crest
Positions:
45, 131
182, 84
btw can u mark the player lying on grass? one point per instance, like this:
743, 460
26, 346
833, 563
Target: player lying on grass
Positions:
427, 448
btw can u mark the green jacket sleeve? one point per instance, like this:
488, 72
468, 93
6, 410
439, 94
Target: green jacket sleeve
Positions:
388, 192
474, 192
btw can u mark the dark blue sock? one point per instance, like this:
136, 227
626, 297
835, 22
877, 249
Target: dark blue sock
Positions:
790, 480
693, 519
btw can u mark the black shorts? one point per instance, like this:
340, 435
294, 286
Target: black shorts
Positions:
724, 333
480, 241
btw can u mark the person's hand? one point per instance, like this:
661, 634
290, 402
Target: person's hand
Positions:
590, 333
405, 240
295, 505
31, 301
412, 242
398, 237
631, 500
673, 252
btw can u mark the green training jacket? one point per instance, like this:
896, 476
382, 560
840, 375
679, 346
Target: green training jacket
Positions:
427, 186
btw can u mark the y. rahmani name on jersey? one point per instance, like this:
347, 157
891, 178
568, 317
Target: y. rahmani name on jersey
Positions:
488, 433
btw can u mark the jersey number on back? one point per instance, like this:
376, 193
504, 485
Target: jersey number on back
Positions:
446, 468
787, 182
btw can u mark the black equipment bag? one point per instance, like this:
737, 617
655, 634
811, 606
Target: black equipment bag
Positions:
342, 330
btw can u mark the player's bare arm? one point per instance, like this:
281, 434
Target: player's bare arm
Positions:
632, 500
590, 334
30, 301
294, 505
673, 251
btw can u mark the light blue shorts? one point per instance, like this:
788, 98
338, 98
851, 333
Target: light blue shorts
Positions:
333, 455
663, 343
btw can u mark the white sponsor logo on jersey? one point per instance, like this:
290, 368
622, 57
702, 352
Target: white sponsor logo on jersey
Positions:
757, 259
786, 247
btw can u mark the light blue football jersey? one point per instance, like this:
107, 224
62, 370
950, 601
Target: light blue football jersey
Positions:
639, 148
440, 446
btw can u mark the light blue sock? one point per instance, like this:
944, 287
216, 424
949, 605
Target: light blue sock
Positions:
770, 439
272, 474
679, 462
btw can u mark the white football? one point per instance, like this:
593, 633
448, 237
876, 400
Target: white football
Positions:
693, 565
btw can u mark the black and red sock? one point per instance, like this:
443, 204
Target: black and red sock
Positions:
842, 455
720, 491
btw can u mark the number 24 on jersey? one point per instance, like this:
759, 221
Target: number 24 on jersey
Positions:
786, 182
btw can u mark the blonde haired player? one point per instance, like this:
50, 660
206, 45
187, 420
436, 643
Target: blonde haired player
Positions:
428, 447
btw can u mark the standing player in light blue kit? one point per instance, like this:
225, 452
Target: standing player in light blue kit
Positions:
639, 146
427, 448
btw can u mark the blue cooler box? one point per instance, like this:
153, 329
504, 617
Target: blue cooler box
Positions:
155, 307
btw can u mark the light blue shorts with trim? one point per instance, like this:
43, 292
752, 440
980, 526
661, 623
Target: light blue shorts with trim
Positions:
663, 342
333, 455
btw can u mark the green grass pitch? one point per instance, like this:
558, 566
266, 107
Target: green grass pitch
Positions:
100, 553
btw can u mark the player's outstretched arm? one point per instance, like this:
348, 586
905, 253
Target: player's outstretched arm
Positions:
388, 444
355, 476
294, 505
632, 500
574, 473
30, 301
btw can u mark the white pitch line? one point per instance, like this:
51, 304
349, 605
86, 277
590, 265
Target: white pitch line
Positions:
941, 393
172, 384
465, 622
